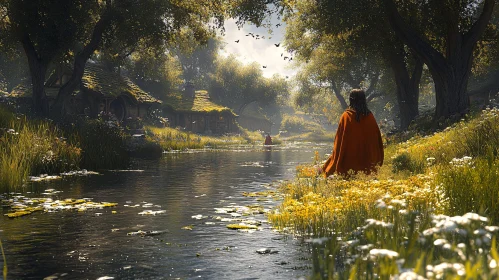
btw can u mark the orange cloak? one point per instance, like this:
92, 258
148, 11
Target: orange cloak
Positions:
357, 145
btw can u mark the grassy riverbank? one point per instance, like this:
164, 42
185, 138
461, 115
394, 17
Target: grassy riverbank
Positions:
394, 222
174, 139
30, 147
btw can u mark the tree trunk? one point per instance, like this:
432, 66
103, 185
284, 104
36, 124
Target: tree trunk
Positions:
38, 71
338, 95
451, 72
80, 61
407, 86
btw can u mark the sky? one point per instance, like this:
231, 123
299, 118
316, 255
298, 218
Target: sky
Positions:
263, 51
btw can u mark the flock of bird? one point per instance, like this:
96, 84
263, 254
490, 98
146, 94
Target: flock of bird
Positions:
258, 37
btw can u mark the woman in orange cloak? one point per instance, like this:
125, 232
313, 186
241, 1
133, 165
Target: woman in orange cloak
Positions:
358, 145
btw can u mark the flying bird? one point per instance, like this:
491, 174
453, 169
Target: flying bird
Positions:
277, 25
286, 57
277, 45
237, 41
264, 66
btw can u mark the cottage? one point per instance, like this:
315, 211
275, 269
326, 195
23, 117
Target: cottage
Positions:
100, 91
194, 111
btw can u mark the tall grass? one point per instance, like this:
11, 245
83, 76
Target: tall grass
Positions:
32, 147
173, 139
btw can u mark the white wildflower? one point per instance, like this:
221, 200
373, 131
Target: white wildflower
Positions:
440, 242
476, 217
383, 253
493, 264
409, 275
492, 228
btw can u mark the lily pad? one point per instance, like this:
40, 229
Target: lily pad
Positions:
241, 226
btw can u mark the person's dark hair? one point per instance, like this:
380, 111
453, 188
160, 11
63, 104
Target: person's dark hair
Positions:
358, 103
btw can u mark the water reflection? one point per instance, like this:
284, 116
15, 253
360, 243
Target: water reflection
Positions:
83, 245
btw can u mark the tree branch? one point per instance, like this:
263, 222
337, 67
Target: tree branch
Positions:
373, 83
338, 95
472, 36
430, 55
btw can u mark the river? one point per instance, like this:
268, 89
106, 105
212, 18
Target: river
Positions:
194, 243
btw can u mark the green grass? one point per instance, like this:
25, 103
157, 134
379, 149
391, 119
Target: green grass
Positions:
297, 125
452, 172
29, 147
172, 139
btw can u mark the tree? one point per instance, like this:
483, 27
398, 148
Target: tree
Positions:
236, 85
358, 35
197, 59
51, 31
460, 24
156, 72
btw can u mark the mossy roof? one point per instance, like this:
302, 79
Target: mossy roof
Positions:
200, 103
96, 79
112, 84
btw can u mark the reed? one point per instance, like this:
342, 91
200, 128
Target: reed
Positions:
31, 147
4, 269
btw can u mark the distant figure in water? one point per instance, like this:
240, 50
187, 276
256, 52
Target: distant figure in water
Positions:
357, 145
268, 140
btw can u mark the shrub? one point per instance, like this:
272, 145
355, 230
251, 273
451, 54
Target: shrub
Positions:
102, 143
294, 124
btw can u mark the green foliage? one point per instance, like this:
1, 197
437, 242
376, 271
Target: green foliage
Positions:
404, 162
295, 124
471, 187
234, 84
155, 71
31, 148
390, 224
174, 140
399, 244
102, 143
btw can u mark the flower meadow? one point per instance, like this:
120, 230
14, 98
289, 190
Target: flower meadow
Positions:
429, 213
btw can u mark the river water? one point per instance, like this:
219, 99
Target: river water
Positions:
87, 245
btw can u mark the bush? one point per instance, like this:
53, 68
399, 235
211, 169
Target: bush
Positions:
294, 124
102, 143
